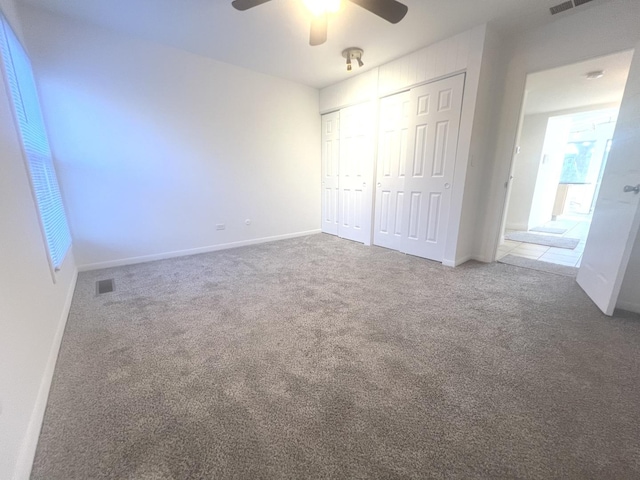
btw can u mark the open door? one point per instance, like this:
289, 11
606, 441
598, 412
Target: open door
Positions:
616, 217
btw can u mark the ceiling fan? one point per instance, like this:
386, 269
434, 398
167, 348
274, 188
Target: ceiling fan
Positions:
390, 10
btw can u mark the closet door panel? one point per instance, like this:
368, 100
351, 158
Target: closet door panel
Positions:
330, 172
356, 173
393, 134
434, 121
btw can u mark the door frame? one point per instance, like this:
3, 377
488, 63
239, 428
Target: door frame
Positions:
506, 181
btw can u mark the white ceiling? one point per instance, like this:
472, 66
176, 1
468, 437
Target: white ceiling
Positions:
273, 38
567, 87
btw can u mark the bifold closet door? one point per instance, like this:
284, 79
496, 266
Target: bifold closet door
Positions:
356, 173
433, 138
393, 135
330, 165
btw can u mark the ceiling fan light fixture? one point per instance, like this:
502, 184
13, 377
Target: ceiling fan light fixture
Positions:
353, 53
390, 10
321, 7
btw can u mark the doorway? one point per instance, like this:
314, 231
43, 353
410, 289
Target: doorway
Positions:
568, 119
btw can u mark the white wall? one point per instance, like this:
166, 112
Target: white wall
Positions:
33, 309
430, 63
157, 145
491, 69
525, 170
549, 171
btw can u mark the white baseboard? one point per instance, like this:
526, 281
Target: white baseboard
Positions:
481, 259
629, 306
517, 226
192, 251
456, 262
30, 442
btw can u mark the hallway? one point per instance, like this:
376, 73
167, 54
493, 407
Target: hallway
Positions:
576, 226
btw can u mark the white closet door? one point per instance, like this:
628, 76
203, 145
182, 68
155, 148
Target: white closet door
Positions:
330, 178
433, 138
392, 153
356, 173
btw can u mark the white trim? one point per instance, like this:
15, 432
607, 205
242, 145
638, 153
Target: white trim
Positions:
192, 251
517, 226
629, 306
481, 259
27, 452
459, 261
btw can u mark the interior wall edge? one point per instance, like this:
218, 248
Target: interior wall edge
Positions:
27, 453
463, 183
193, 251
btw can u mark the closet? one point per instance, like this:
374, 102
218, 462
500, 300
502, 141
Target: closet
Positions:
347, 172
416, 160
417, 134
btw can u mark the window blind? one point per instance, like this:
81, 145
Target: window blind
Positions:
22, 86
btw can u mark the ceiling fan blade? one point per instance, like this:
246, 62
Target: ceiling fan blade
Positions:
318, 30
247, 4
391, 10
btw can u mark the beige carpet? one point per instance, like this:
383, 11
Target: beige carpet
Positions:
539, 265
321, 358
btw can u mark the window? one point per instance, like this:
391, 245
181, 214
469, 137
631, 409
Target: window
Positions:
577, 158
21, 83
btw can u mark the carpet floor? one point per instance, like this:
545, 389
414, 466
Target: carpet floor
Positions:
539, 265
321, 358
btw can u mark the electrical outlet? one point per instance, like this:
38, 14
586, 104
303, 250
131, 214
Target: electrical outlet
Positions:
220, 226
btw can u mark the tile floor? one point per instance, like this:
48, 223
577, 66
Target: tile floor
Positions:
577, 227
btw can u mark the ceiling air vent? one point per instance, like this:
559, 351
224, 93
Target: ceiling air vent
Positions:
561, 7
569, 4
